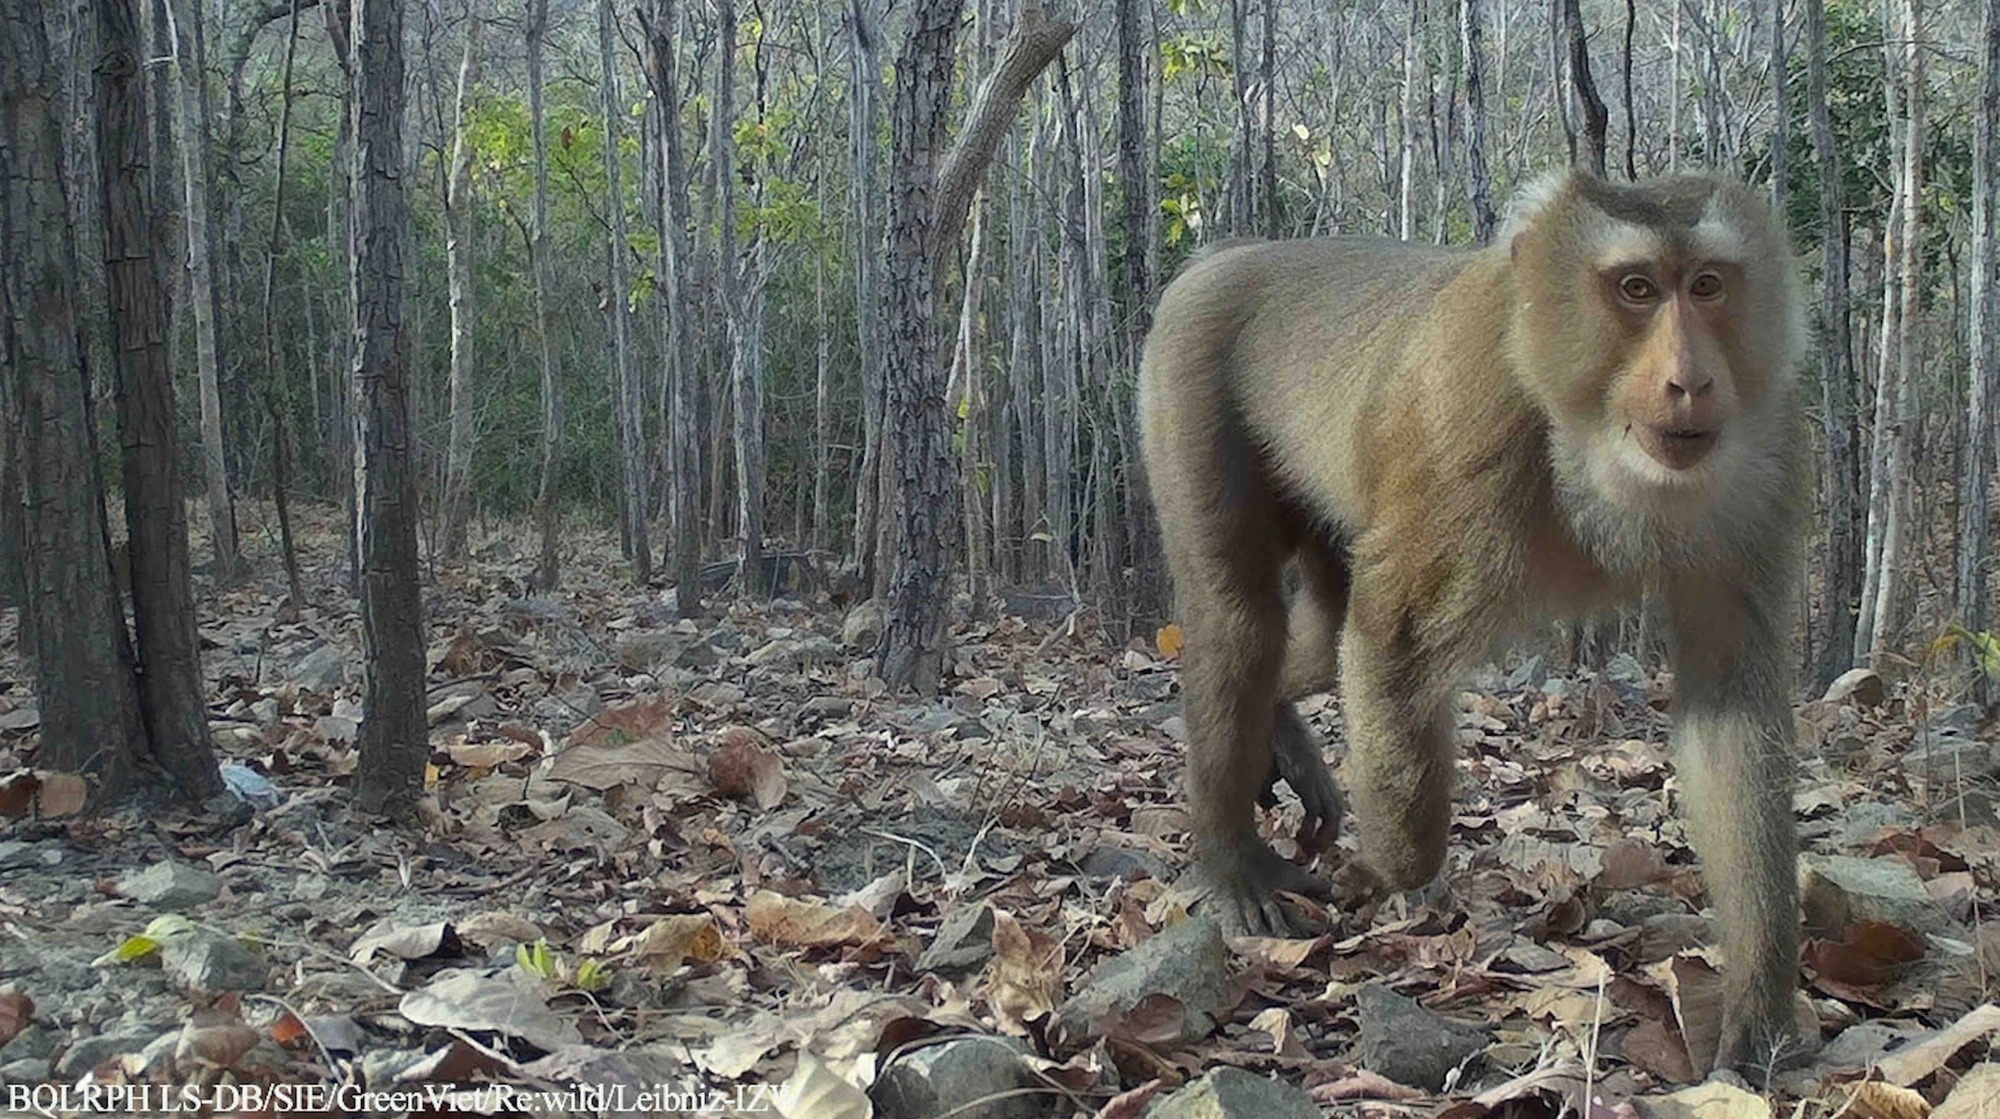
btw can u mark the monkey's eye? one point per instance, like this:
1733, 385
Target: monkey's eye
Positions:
1708, 285
1638, 289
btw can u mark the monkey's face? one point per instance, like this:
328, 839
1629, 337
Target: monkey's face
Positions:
1653, 322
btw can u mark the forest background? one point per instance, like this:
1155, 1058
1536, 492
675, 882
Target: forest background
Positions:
738, 271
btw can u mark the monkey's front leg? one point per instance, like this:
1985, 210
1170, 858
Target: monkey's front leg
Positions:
1399, 758
1733, 740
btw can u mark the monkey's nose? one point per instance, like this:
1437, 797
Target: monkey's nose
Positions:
1689, 381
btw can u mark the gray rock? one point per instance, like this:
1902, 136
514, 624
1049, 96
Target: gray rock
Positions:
27, 1070
15, 854
1187, 962
1962, 717
1860, 822
322, 670
172, 886
1122, 862
1231, 1093
204, 961
1527, 674
1838, 890
90, 1052
864, 625
1861, 687
639, 650
1408, 1044
1948, 757
784, 652
964, 941
952, 1078
34, 1042
788, 606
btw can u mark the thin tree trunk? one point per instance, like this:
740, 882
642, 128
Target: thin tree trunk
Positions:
628, 402
1631, 112
1840, 575
927, 210
1134, 179
676, 260
459, 231
1478, 180
73, 628
548, 568
822, 410
1781, 112
1596, 121
394, 739
1675, 45
191, 128
171, 691
1983, 314
1269, 124
1406, 146
864, 81
274, 372
746, 391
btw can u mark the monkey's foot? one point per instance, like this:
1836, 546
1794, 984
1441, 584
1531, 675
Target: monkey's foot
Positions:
1238, 886
1757, 1048
1296, 759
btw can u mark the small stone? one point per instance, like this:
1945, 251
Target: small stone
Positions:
1125, 863
1859, 823
1232, 1093
966, 1078
90, 1052
782, 652
1947, 757
1186, 962
964, 941
204, 961
322, 670
1408, 1044
788, 606
639, 650
1960, 718
171, 886
864, 625
1838, 890
27, 1070
1861, 687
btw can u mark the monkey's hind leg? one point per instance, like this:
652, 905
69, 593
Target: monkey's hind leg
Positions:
1311, 666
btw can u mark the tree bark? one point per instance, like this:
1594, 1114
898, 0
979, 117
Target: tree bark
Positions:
394, 736
1840, 580
1406, 146
927, 208
458, 250
676, 257
628, 400
275, 393
171, 691
548, 567
1135, 179
1478, 180
1983, 316
1596, 120
191, 131
1781, 113
746, 389
864, 82
73, 629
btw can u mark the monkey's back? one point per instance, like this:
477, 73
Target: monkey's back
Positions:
1323, 351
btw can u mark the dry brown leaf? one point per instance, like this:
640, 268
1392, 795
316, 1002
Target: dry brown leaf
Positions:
1975, 1096
1363, 1085
742, 769
16, 1011
1170, 640
673, 940
1919, 1059
219, 1045
1695, 988
1277, 1021
816, 1092
1712, 1100
777, 919
1873, 1099
644, 718
1024, 978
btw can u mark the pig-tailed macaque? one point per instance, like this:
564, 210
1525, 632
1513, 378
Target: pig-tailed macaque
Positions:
1451, 445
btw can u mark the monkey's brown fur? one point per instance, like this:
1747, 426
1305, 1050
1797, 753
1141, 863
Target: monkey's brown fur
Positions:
1452, 445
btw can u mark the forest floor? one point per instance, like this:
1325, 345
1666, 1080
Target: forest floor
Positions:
696, 857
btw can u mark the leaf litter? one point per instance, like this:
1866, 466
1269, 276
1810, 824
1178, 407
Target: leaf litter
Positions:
717, 853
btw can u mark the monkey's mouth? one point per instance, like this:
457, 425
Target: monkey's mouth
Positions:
1676, 448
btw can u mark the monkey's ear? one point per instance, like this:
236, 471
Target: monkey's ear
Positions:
1528, 205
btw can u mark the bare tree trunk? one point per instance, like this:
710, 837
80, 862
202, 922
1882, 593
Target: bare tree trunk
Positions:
1406, 146
629, 403
1781, 113
1631, 112
864, 81
746, 389
458, 251
274, 372
1239, 217
1596, 120
966, 361
1675, 45
171, 691
1269, 123
191, 129
1134, 179
1983, 315
927, 209
339, 230
394, 736
73, 629
548, 568
1841, 569
676, 265
1478, 180
822, 411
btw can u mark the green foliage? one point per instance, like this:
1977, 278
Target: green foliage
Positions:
1200, 54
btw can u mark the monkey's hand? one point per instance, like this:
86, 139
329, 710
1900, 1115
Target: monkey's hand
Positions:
1237, 883
1296, 759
